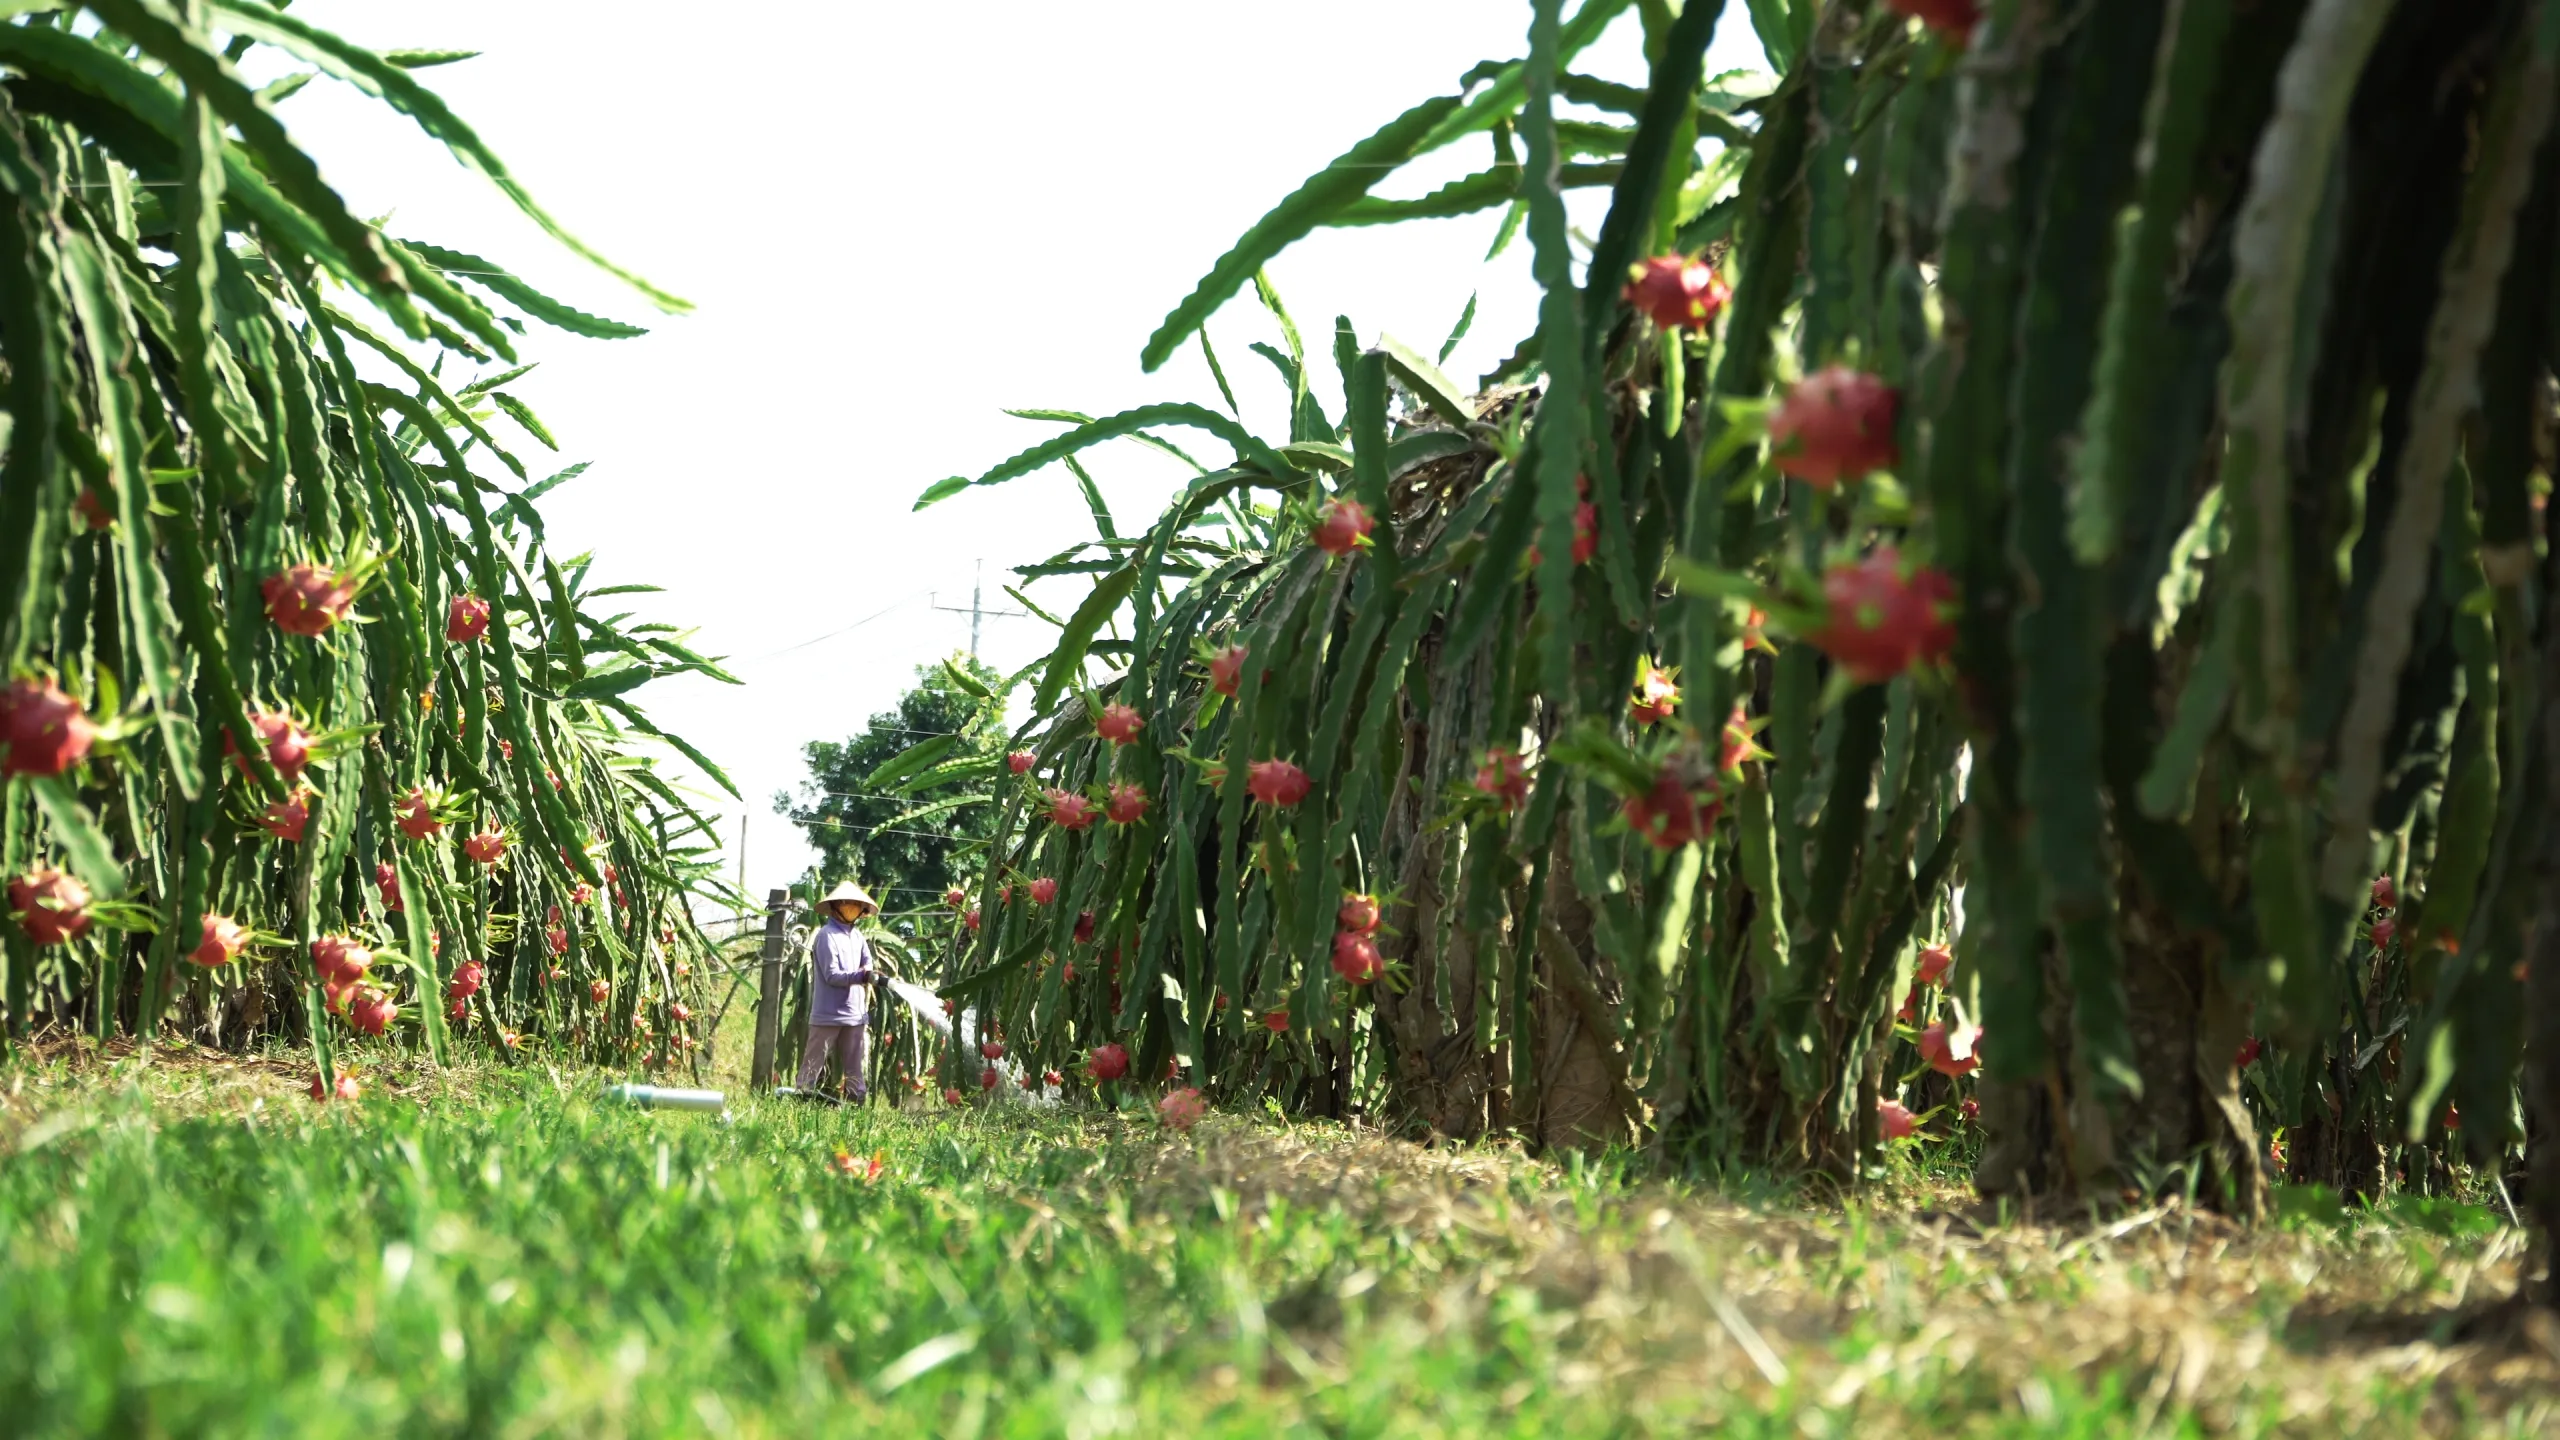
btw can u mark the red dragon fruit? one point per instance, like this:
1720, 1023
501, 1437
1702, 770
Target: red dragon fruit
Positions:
1657, 693
1586, 532
1676, 292
1083, 936
2385, 930
1182, 1109
371, 1011
971, 920
1107, 1062
1071, 811
1020, 762
288, 745
1894, 1121
95, 510
339, 960
955, 897
52, 906
1276, 1021
1226, 669
1950, 1052
1935, 962
1359, 914
45, 729
1953, 20
1835, 424
1883, 617
1125, 803
1356, 958
1044, 890
466, 981
991, 1049
2385, 894
988, 1078
387, 880
1740, 741
1672, 813
557, 937
1342, 526
219, 941
347, 1088
1504, 775
467, 618
307, 599
417, 815
1276, 782
599, 989
1119, 724
2248, 1053
582, 894
488, 847
288, 818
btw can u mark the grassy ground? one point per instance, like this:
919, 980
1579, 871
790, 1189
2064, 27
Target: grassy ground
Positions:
190, 1246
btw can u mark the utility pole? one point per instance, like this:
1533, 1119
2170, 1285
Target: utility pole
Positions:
977, 608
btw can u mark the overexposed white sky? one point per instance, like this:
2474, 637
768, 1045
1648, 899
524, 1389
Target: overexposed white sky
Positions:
896, 221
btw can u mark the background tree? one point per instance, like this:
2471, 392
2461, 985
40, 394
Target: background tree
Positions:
902, 846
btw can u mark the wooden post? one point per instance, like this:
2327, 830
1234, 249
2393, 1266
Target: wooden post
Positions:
769, 992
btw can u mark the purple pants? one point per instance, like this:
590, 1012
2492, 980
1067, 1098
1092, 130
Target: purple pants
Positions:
848, 1044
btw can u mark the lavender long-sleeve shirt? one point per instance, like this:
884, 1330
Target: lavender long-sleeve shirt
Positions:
843, 961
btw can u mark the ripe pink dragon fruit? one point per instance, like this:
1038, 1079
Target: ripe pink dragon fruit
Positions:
1276, 782
988, 1078
219, 942
1971, 1109
1119, 724
347, 1088
1835, 424
1356, 958
307, 599
288, 818
417, 812
488, 847
557, 938
1107, 1062
971, 920
1226, 669
1020, 762
1504, 775
2385, 930
1894, 1121
288, 745
679, 1012
339, 960
1044, 890
991, 1049
1083, 936
1276, 1021
372, 1011
1676, 292
1657, 694
1182, 1109
1342, 527
2248, 1053
1673, 813
467, 618
2385, 894
1359, 914
1935, 962
1950, 1053
1882, 617
1052, 1079
46, 730
52, 906
1071, 811
1126, 802
599, 989
387, 880
466, 981
1586, 532
955, 897
582, 894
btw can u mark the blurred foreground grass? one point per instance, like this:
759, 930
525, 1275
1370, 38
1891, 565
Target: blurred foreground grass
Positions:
190, 1247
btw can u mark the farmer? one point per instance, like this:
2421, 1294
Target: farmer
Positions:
839, 1005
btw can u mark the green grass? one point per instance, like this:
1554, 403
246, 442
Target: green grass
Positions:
197, 1250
